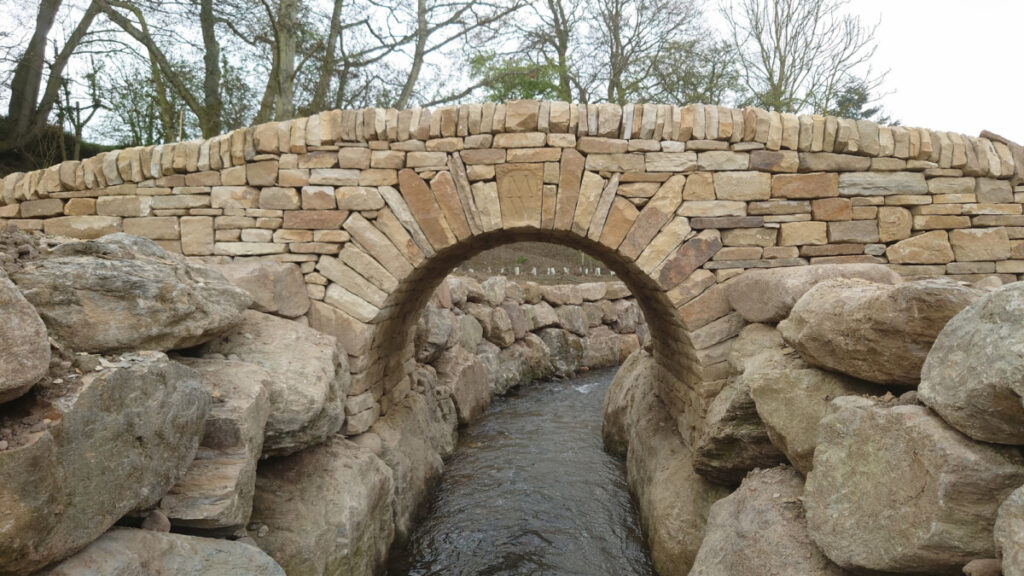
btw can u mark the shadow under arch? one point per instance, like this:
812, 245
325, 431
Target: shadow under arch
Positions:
391, 348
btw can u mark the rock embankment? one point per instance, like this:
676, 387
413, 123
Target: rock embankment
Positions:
874, 430
165, 416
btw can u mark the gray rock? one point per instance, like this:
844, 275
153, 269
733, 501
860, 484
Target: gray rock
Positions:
115, 442
121, 293
524, 361
24, 349
735, 440
466, 376
494, 290
760, 529
544, 316
562, 295
326, 510
593, 313
572, 319
457, 290
876, 332
752, 341
768, 295
433, 331
516, 318
130, 552
565, 351
470, 332
275, 287
499, 330
619, 398
974, 376
216, 491
601, 348
1009, 533
895, 489
309, 379
627, 316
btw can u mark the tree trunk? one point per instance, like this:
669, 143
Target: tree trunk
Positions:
323, 82
210, 121
422, 32
28, 74
286, 40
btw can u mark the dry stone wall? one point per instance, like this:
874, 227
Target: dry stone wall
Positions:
376, 206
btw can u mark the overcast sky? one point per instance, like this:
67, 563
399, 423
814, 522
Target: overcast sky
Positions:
953, 65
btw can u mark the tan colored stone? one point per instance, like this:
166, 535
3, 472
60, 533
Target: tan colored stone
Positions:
520, 140
928, 248
315, 219
699, 186
620, 219
803, 233
742, 185
49, 207
425, 209
488, 205
805, 185
521, 115
655, 214
594, 145
853, 232
980, 244
615, 162
690, 256
447, 196
712, 208
153, 227
262, 173
196, 235
831, 209
671, 161
774, 161
569, 182
604, 205
318, 198
120, 206
78, 207
355, 198
358, 158
894, 223
723, 160
82, 227
589, 196
520, 190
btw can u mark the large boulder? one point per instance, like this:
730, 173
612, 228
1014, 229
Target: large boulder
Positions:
791, 398
411, 437
90, 450
734, 440
325, 510
753, 341
896, 489
466, 377
132, 552
760, 529
524, 361
974, 376
216, 491
24, 348
275, 287
309, 379
121, 293
619, 398
1009, 533
672, 499
566, 351
768, 295
601, 348
876, 332
433, 331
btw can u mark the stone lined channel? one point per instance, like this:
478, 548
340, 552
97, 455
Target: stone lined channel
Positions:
530, 490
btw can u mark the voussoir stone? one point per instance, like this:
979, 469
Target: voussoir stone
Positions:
308, 383
24, 348
973, 376
325, 510
769, 295
935, 518
117, 440
133, 552
876, 332
122, 293
760, 529
275, 287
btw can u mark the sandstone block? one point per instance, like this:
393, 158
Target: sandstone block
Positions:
803, 233
804, 186
981, 244
742, 186
928, 248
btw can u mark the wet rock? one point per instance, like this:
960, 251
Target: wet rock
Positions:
1009, 533
130, 552
114, 441
121, 293
24, 348
760, 529
935, 519
735, 440
769, 295
309, 379
876, 332
566, 351
974, 377
216, 491
325, 510
275, 287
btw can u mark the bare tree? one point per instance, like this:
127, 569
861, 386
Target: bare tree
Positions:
554, 38
796, 55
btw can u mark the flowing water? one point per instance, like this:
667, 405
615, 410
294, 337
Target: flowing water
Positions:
530, 491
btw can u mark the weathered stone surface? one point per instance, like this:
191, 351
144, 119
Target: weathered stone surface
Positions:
572, 319
117, 439
881, 183
735, 440
463, 373
803, 186
1009, 533
24, 349
562, 294
132, 552
433, 331
894, 223
928, 248
760, 529
565, 350
216, 491
673, 500
326, 510
125, 293
275, 287
876, 332
769, 295
615, 427
309, 378
982, 244
935, 519
973, 376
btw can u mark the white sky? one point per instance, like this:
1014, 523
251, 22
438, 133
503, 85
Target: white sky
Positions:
953, 64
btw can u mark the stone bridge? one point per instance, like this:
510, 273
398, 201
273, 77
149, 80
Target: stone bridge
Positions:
376, 206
